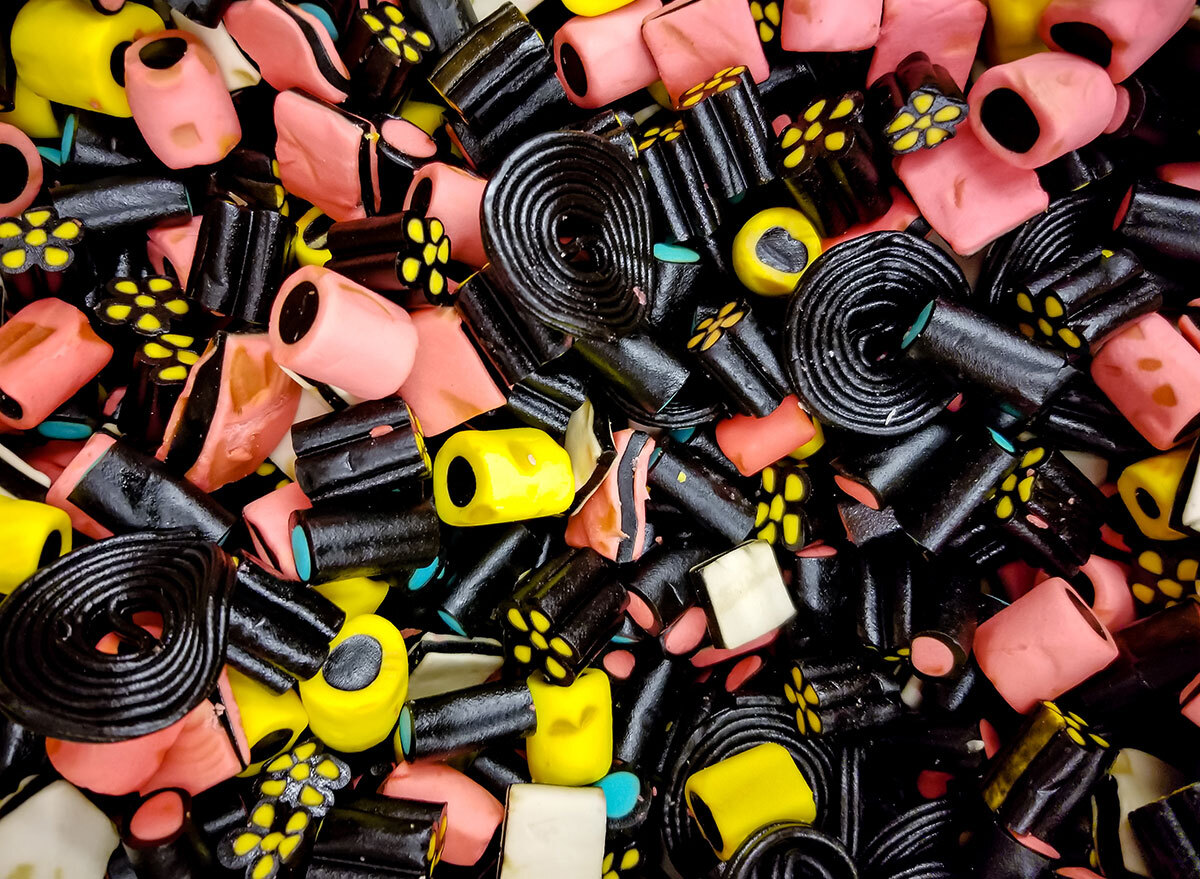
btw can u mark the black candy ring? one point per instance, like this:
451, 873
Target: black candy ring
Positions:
786, 849
566, 225
56, 681
844, 327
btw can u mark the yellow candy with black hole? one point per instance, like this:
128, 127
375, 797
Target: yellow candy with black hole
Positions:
573, 743
482, 477
772, 250
270, 721
308, 245
735, 797
357, 714
31, 113
1148, 490
67, 52
32, 535
354, 595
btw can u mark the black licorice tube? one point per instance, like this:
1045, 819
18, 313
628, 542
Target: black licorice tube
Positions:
877, 473
465, 720
266, 673
478, 582
945, 618
103, 144
684, 209
240, 257
333, 541
711, 499
734, 350
1159, 216
121, 202
649, 374
641, 709
1168, 833
546, 399
734, 143
819, 589
983, 352
370, 447
661, 581
378, 836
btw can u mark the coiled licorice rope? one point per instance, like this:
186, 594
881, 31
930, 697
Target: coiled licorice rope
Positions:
721, 729
908, 846
566, 226
786, 850
57, 681
845, 325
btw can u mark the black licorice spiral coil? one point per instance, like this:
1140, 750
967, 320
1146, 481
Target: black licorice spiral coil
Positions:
720, 728
566, 225
55, 679
787, 849
1070, 225
844, 329
916, 844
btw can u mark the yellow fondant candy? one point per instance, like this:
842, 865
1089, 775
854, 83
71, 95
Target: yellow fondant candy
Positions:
32, 535
270, 721
573, 742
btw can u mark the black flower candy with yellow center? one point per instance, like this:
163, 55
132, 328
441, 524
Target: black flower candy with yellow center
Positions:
38, 239
305, 777
261, 849
387, 22
146, 306
729, 132
171, 357
424, 257
380, 50
919, 105
663, 133
766, 17
779, 517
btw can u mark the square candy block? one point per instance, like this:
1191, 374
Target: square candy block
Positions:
969, 196
552, 831
948, 31
449, 383
830, 25
691, 40
743, 594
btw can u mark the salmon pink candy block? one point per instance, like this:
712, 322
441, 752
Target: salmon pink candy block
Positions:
693, 39
1119, 35
1152, 375
948, 31
754, 443
830, 25
602, 58
969, 196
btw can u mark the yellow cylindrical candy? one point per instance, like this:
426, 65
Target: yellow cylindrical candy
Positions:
573, 743
353, 702
270, 721
735, 797
31, 113
1148, 489
355, 595
482, 477
772, 250
68, 52
1012, 30
32, 535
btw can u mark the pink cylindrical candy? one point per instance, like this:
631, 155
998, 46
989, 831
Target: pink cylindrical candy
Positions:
829, 25
754, 443
179, 100
453, 195
328, 328
602, 58
1041, 645
1119, 35
1036, 109
22, 166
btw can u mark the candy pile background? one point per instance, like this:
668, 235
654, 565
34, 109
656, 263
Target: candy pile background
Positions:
592, 439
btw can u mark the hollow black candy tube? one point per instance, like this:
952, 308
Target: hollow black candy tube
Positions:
956, 485
376, 836
875, 473
684, 210
1168, 831
819, 588
547, 398
641, 708
844, 328
712, 500
175, 850
733, 134
944, 620
121, 202
371, 447
661, 584
889, 568
53, 679
240, 256
734, 350
566, 225
644, 370
333, 541
482, 573
1156, 216
988, 354
126, 490
500, 79
446, 21
464, 720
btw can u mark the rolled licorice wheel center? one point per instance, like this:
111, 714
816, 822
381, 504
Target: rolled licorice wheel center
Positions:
1084, 39
1009, 120
299, 312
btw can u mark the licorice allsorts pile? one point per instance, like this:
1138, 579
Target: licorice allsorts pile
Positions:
599, 439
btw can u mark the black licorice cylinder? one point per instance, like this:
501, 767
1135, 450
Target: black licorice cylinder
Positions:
334, 541
1168, 833
661, 580
735, 140
709, 498
378, 836
649, 375
684, 209
985, 353
121, 202
546, 399
125, 490
515, 344
641, 708
944, 621
819, 590
885, 594
370, 447
954, 486
160, 841
478, 583
446, 21
103, 144
465, 720
240, 255
1161, 217
266, 673
876, 473
734, 350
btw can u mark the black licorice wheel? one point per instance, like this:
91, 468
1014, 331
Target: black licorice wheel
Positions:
785, 849
844, 330
55, 679
566, 225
